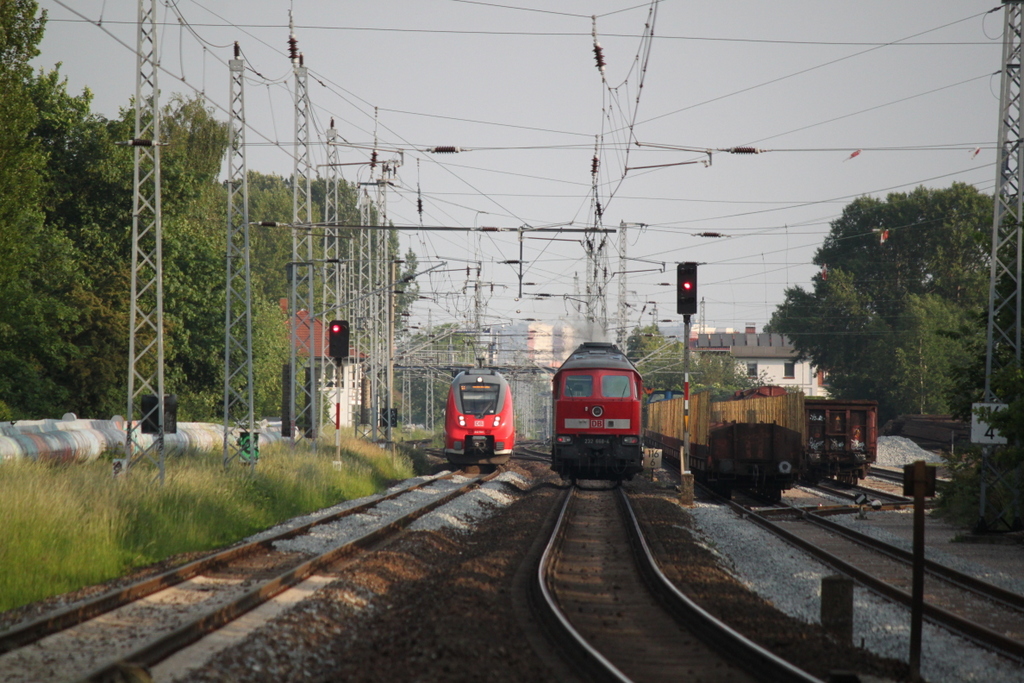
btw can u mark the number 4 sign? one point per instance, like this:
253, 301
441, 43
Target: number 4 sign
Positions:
981, 431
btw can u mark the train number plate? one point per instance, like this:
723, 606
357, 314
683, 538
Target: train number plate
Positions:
591, 441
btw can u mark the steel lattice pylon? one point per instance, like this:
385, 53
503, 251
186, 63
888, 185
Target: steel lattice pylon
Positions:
303, 362
146, 341
596, 299
241, 438
1004, 310
335, 288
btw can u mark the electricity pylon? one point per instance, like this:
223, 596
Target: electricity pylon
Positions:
146, 341
241, 438
1003, 347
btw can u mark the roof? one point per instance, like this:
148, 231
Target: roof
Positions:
741, 345
591, 355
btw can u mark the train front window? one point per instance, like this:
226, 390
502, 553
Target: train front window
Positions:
616, 386
479, 399
579, 386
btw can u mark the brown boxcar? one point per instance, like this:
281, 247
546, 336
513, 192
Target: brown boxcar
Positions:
842, 438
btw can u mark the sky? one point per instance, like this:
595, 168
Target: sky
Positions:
842, 100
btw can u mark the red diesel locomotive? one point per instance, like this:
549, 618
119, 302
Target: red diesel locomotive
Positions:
597, 428
479, 423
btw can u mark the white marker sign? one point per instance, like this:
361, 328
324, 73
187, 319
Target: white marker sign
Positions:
981, 431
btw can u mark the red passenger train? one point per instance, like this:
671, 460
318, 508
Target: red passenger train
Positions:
597, 425
479, 422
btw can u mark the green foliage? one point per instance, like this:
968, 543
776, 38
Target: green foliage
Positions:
958, 499
68, 527
1008, 385
22, 238
660, 361
65, 250
892, 320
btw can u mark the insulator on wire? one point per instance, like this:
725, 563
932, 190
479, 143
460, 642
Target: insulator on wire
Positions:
373, 159
238, 50
600, 210
419, 206
594, 163
599, 56
293, 47
745, 150
446, 149
710, 234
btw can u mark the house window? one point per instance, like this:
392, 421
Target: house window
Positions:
789, 370
751, 369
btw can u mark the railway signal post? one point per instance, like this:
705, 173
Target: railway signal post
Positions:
686, 305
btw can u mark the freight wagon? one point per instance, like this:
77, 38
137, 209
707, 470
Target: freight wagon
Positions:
766, 440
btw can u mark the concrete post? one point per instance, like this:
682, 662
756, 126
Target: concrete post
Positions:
837, 607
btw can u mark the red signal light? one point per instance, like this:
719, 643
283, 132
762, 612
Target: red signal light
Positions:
686, 295
337, 339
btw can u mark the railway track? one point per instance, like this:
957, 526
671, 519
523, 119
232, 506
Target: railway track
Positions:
602, 597
530, 452
888, 499
984, 613
146, 622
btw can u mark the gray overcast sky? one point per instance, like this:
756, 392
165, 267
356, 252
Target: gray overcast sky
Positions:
912, 84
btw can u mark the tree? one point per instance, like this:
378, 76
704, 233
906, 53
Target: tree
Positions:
660, 361
900, 281
24, 385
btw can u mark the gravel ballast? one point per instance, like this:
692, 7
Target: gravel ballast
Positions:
791, 580
443, 601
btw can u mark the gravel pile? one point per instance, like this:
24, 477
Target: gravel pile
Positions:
791, 580
897, 451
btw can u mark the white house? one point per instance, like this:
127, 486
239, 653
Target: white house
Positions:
770, 357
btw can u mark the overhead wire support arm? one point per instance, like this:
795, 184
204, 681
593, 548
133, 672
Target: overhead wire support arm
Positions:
454, 228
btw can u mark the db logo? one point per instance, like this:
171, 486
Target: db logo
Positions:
597, 424
478, 423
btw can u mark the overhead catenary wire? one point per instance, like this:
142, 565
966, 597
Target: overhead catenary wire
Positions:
428, 198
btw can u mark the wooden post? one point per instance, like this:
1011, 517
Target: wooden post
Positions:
918, 480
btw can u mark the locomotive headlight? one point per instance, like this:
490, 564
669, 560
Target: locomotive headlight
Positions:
564, 438
785, 467
497, 420
462, 420
631, 440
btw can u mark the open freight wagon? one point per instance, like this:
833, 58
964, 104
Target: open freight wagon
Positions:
766, 443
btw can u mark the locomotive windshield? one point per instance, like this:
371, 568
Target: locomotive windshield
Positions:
579, 386
479, 399
616, 386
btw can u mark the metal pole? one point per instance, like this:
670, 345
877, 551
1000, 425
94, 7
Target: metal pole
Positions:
917, 590
390, 377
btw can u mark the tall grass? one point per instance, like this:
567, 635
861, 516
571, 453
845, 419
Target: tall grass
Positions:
62, 528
